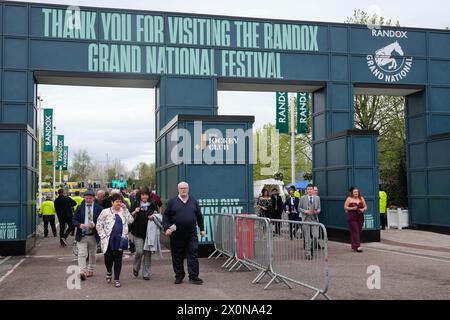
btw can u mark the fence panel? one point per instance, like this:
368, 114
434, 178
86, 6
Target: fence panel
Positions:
300, 253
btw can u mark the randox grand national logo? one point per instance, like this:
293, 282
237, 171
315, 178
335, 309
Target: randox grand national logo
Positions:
389, 63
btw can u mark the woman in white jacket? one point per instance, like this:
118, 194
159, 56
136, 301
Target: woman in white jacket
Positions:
112, 227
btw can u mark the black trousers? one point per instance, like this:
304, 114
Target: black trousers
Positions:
113, 258
49, 219
63, 233
383, 220
181, 247
277, 216
293, 228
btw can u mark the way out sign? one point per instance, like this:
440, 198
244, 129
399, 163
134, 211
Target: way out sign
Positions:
282, 116
302, 112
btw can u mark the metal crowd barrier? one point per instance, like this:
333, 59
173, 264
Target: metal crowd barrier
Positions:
300, 254
254, 246
225, 240
285, 251
40, 227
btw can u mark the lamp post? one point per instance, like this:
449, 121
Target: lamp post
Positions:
293, 145
39, 125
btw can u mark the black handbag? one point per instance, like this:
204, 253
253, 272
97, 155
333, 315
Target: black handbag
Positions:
132, 247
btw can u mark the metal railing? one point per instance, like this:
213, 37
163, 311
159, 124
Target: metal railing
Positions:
300, 254
286, 251
225, 242
254, 246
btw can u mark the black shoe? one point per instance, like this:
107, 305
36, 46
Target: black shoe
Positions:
196, 280
135, 273
178, 280
63, 242
146, 278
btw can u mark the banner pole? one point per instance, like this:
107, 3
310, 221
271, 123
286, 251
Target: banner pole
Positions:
40, 151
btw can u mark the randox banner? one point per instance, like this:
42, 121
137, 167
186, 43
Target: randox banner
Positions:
48, 130
65, 163
59, 150
302, 112
282, 116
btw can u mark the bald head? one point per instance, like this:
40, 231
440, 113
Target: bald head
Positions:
183, 189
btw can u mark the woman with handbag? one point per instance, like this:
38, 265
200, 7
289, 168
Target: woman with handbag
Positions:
112, 227
142, 211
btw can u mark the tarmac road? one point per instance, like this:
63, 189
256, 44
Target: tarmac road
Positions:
413, 265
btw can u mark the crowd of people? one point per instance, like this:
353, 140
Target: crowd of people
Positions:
307, 208
113, 222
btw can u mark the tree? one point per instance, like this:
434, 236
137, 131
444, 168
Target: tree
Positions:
385, 114
278, 176
362, 17
146, 175
81, 166
303, 151
97, 171
114, 170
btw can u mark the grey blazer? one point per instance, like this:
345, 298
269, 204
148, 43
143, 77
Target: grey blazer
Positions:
304, 205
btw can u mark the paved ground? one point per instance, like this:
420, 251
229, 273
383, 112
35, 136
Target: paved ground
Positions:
413, 265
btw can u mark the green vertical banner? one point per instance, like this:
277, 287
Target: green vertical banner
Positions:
59, 150
48, 130
65, 163
302, 112
282, 117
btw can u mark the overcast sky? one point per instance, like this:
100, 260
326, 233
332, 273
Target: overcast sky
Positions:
120, 122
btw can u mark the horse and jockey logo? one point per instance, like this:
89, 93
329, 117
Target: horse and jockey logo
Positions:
389, 63
384, 57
